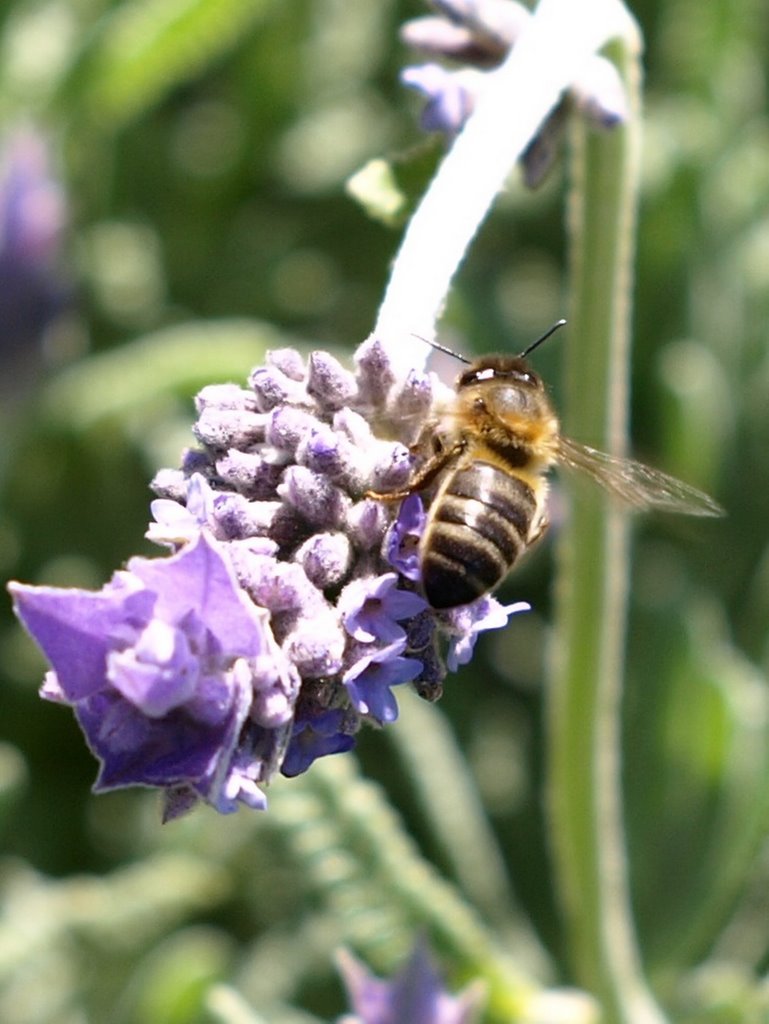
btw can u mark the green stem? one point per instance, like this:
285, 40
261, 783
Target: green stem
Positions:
585, 800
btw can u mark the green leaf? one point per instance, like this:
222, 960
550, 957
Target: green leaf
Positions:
146, 48
176, 360
701, 789
13, 780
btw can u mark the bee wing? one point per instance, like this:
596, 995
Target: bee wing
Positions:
635, 484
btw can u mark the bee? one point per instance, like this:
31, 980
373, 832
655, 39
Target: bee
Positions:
492, 447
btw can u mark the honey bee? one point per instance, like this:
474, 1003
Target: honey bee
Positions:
491, 449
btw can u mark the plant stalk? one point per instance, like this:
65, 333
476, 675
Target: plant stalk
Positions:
584, 713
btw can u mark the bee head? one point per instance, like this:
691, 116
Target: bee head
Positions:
511, 370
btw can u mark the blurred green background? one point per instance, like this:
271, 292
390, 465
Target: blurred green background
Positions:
172, 192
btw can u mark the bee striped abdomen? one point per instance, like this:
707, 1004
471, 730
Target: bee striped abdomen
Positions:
478, 526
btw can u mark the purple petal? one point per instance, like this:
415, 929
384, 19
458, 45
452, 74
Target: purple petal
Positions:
465, 623
175, 523
177, 749
200, 578
160, 680
75, 629
368, 682
415, 994
241, 788
451, 95
158, 673
370, 608
402, 541
318, 737
136, 750
404, 604
236, 781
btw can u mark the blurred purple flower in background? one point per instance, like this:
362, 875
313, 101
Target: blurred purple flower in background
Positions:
32, 220
476, 36
450, 96
416, 995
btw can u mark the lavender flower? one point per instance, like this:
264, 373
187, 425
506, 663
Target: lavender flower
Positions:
416, 994
477, 37
290, 610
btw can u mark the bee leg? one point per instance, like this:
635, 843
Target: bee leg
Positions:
427, 435
424, 476
538, 527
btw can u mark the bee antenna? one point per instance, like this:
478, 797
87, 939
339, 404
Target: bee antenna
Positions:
447, 351
538, 342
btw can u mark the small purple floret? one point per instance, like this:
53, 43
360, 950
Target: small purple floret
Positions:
371, 608
369, 680
450, 96
465, 623
175, 523
402, 541
315, 737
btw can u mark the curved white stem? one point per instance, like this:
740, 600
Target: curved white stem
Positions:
553, 47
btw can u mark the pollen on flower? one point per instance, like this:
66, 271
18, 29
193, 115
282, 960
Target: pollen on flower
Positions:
289, 610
